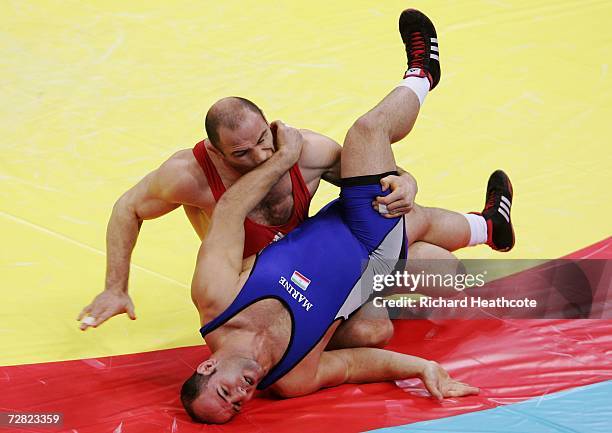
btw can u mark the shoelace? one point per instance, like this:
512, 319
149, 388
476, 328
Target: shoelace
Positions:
493, 198
416, 50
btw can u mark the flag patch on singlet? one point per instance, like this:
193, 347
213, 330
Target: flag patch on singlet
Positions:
300, 280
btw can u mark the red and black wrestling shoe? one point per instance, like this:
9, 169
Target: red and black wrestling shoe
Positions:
500, 234
421, 41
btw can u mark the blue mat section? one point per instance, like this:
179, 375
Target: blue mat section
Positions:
586, 409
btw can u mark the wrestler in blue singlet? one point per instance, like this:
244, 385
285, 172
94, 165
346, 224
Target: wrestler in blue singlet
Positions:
317, 270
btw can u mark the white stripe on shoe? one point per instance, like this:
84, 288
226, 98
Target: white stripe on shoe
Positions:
505, 207
505, 215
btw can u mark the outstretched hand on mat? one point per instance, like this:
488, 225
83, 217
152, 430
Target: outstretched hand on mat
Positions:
107, 304
440, 385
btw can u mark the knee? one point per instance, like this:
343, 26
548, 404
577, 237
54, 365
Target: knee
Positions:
366, 125
374, 333
417, 223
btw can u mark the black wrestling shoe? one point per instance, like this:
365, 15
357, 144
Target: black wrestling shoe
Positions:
421, 41
500, 234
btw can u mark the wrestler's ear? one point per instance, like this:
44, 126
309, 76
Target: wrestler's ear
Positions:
207, 367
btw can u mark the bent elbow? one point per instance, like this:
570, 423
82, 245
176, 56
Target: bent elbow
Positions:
125, 207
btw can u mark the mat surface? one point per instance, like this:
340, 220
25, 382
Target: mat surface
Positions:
579, 410
510, 360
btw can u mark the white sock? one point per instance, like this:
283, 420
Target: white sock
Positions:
478, 229
419, 85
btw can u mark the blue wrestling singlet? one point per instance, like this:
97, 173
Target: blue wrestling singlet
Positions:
317, 271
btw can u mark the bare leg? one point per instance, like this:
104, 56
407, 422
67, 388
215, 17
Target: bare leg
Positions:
367, 151
444, 228
366, 148
368, 327
432, 260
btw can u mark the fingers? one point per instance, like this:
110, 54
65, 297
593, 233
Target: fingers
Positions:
392, 215
96, 316
395, 195
96, 319
401, 198
473, 390
463, 391
83, 312
88, 317
398, 206
398, 196
273, 130
87, 322
435, 392
393, 212
384, 182
433, 387
276, 127
101, 318
459, 389
440, 385
439, 395
130, 311
285, 132
279, 124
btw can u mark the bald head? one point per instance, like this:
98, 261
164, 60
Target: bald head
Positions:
228, 113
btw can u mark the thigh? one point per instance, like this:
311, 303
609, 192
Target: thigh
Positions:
370, 228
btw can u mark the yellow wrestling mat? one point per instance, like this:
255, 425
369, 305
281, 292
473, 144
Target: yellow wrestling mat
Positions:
95, 95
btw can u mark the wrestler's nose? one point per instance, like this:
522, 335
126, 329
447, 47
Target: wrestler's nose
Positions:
238, 396
260, 156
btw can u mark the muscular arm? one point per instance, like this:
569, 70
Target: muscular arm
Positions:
146, 200
364, 365
158, 193
320, 159
367, 365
